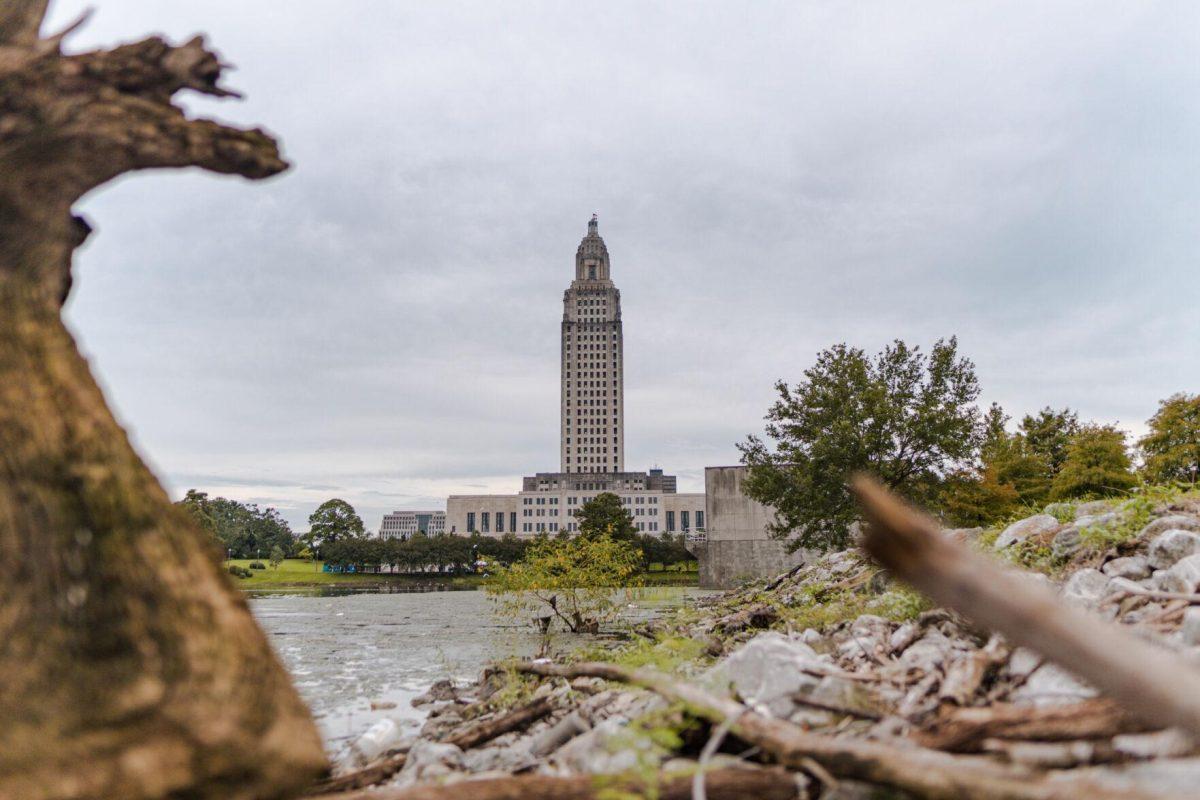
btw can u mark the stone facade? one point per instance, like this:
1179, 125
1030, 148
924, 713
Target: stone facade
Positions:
403, 524
548, 501
736, 546
592, 419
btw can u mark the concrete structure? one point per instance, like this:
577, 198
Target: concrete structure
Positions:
592, 418
548, 501
403, 524
736, 547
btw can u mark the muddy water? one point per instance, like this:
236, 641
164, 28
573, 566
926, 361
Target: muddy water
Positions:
359, 657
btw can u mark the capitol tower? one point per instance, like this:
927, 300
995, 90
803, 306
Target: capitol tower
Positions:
593, 394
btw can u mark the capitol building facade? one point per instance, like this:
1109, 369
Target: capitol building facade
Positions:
591, 429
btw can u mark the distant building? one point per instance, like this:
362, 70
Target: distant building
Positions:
548, 501
591, 427
403, 524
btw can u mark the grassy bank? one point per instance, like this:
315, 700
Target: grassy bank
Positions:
295, 572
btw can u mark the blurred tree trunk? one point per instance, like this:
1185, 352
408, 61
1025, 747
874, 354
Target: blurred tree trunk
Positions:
130, 668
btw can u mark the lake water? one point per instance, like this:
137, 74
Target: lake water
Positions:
359, 657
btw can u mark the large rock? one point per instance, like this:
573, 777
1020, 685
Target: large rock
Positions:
1066, 542
384, 735
428, 761
1133, 568
1172, 545
1178, 522
1183, 576
1031, 526
1086, 588
769, 669
1092, 508
1051, 685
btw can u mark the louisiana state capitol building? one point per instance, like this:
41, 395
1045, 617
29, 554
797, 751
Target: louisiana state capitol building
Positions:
591, 429
593, 389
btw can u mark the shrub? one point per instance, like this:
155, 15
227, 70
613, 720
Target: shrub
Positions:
239, 572
257, 565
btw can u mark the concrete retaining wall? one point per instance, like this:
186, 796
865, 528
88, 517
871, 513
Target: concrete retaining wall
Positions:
726, 563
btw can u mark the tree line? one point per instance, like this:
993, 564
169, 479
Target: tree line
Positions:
337, 536
911, 418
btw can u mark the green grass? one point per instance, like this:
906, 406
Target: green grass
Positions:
295, 572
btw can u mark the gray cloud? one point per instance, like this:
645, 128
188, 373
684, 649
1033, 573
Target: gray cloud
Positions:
382, 321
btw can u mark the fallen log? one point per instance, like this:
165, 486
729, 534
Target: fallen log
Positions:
963, 730
1158, 686
518, 719
926, 773
474, 736
720, 784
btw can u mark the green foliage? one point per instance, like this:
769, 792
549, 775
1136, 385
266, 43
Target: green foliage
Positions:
1063, 512
820, 605
1049, 435
666, 653
1132, 515
239, 572
277, 556
904, 416
604, 514
1172, 447
243, 530
333, 521
1096, 464
977, 498
574, 581
257, 565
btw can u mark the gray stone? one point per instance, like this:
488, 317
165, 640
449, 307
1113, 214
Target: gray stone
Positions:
929, 652
1172, 545
504, 759
605, 751
1031, 526
428, 761
1066, 542
1190, 632
1051, 685
1086, 588
384, 735
1177, 522
1092, 508
1183, 576
1106, 520
768, 669
965, 535
1133, 568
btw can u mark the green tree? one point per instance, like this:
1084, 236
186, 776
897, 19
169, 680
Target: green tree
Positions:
242, 530
1049, 435
977, 497
604, 514
907, 417
576, 581
1096, 463
1172, 447
333, 520
276, 556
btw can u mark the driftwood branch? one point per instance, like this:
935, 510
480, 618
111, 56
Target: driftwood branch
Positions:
1156, 685
474, 736
964, 729
721, 784
924, 773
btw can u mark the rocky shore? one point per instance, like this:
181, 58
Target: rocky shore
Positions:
878, 693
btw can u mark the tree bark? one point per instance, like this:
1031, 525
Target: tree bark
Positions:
130, 666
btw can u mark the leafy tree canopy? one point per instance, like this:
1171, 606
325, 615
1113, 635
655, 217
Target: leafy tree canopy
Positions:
241, 529
333, 520
569, 580
907, 417
604, 514
1096, 464
1049, 435
1172, 447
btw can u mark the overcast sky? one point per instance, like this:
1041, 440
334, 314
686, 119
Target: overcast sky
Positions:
381, 322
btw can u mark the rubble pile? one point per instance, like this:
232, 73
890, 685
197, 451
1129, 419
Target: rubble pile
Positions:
838, 649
